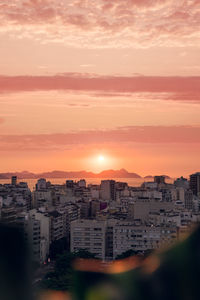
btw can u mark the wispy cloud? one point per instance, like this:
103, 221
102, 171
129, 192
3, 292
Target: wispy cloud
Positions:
123, 135
87, 66
102, 23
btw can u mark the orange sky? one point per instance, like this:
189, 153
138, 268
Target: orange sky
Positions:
85, 78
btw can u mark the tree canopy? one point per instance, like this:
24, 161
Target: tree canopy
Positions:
62, 276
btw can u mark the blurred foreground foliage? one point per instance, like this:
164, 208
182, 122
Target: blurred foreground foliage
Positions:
173, 273
62, 277
58, 247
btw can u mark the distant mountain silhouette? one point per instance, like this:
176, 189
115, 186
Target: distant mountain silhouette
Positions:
122, 173
20, 175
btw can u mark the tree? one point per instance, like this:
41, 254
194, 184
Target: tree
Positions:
126, 254
58, 247
148, 252
62, 276
82, 253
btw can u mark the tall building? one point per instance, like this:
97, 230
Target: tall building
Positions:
109, 238
72, 213
107, 190
94, 208
44, 232
14, 180
188, 199
159, 179
41, 184
31, 229
57, 225
69, 184
195, 183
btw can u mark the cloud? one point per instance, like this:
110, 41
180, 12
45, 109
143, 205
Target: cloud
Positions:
87, 65
102, 23
123, 135
167, 88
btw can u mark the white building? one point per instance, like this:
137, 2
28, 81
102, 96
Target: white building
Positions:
128, 235
107, 190
89, 235
44, 232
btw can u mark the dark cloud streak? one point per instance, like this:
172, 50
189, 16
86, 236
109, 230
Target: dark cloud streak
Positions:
180, 88
123, 135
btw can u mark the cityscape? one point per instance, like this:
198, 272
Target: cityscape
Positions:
106, 220
99, 149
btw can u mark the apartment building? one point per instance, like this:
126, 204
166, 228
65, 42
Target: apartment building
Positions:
89, 235
138, 237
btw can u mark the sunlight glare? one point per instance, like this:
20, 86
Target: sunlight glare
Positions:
101, 158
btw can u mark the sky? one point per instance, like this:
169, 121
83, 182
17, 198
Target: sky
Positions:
97, 84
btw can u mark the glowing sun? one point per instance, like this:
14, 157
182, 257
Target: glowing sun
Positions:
101, 158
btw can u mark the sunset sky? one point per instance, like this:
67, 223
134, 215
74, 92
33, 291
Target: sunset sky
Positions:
118, 79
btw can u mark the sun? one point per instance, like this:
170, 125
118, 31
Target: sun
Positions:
101, 158
100, 161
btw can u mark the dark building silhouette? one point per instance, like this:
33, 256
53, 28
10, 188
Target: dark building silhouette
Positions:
195, 183
14, 180
159, 179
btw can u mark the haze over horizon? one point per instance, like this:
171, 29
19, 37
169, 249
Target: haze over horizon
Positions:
100, 85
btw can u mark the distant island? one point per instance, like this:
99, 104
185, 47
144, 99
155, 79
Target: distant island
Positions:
122, 173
